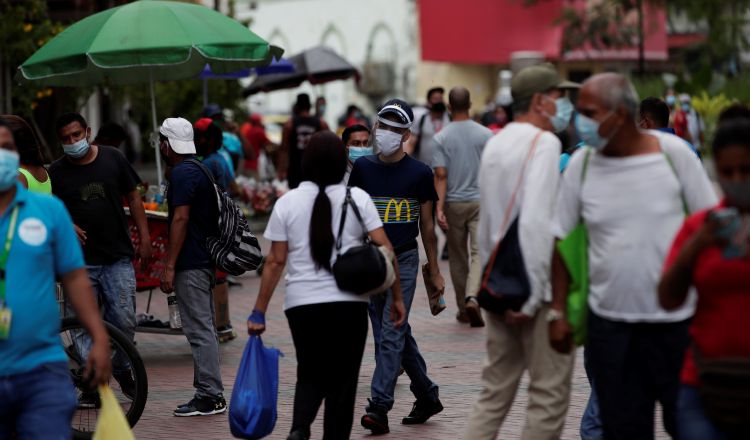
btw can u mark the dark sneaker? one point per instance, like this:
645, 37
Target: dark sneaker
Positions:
226, 333
89, 400
298, 434
201, 407
127, 384
376, 420
462, 318
473, 312
421, 411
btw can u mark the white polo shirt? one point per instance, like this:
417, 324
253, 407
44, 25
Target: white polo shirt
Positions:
290, 222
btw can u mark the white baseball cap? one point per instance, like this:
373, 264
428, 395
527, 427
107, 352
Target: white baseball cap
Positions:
179, 131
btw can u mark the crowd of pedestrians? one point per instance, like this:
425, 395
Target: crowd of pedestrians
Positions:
667, 261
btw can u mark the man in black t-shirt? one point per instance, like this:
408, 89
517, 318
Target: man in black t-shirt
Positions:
297, 132
403, 190
92, 181
189, 269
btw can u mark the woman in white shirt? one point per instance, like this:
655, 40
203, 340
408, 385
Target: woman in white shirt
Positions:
329, 327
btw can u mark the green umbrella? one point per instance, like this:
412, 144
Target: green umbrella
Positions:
146, 41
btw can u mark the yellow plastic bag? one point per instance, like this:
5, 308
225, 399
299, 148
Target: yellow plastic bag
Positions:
111, 424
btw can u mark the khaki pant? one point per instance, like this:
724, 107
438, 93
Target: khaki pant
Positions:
510, 351
463, 219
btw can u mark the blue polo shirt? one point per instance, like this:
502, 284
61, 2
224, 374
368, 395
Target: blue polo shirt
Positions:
44, 246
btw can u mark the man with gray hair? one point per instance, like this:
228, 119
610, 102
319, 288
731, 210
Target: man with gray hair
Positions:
632, 190
518, 178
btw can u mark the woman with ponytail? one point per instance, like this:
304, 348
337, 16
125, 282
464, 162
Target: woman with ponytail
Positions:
329, 326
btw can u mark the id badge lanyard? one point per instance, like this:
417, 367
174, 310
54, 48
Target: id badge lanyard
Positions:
6, 252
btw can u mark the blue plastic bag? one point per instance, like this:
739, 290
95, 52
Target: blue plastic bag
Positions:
252, 411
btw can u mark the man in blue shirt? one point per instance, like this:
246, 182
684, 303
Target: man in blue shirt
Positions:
37, 398
403, 190
189, 269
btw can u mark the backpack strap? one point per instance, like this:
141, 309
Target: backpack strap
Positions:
685, 208
204, 169
418, 143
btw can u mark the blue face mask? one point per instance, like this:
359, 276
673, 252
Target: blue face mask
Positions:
670, 100
588, 131
686, 108
357, 152
77, 150
561, 119
9, 162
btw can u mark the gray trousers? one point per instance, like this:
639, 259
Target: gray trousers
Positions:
194, 297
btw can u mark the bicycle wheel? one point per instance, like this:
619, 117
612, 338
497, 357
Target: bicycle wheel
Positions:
84, 419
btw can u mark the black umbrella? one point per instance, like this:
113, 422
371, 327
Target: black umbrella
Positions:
317, 65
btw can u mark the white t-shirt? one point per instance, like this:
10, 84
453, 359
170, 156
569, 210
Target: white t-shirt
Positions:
500, 169
290, 222
632, 208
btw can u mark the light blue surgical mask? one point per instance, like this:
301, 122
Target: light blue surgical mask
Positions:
686, 107
670, 99
77, 150
588, 131
9, 162
357, 152
561, 118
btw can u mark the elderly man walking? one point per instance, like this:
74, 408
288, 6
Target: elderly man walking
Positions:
517, 181
458, 150
632, 190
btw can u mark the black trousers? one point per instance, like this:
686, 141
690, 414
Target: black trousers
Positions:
633, 366
329, 339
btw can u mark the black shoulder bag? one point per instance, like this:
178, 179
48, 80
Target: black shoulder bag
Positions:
505, 283
365, 269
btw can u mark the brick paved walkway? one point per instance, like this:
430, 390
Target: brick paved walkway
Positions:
454, 355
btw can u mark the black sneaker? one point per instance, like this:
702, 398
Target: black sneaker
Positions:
226, 333
473, 313
298, 434
201, 407
89, 400
126, 382
421, 411
376, 420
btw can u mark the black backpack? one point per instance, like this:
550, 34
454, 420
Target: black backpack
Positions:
235, 250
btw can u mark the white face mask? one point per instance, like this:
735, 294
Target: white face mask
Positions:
387, 141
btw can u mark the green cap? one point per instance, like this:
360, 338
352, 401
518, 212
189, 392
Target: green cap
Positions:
538, 79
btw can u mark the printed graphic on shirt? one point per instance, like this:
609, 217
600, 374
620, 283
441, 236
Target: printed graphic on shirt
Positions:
304, 133
393, 211
93, 191
32, 231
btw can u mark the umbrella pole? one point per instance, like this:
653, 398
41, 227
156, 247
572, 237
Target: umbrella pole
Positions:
156, 130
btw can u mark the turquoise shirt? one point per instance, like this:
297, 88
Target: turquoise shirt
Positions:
44, 246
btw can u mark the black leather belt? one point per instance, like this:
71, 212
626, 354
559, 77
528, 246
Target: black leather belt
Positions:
406, 247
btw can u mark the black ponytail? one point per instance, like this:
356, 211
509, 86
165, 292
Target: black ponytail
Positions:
323, 163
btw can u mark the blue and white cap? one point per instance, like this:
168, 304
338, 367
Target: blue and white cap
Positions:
399, 108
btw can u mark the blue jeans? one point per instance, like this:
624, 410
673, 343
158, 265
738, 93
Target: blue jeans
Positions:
396, 347
692, 423
591, 422
38, 404
114, 287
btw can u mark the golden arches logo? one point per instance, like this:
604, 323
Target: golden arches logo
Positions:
398, 207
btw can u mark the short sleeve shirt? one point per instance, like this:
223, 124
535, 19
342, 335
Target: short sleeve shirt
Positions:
290, 222
94, 194
720, 326
458, 148
632, 208
398, 191
219, 170
189, 185
44, 246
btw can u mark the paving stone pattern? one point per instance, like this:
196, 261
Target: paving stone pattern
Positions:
454, 354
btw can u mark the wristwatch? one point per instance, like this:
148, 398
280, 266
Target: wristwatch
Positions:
554, 315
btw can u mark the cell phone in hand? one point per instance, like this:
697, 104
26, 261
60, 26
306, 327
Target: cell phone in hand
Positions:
735, 229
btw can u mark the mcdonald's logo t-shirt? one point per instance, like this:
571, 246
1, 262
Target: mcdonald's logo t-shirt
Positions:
398, 191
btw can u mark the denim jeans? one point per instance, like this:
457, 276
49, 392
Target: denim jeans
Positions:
591, 422
38, 404
114, 286
396, 347
196, 304
692, 423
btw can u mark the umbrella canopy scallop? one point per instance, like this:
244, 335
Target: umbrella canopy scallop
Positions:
147, 40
